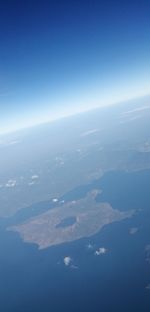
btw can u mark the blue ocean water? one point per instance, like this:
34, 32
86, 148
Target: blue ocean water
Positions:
33, 280
66, 222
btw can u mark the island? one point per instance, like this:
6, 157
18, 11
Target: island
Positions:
69, 222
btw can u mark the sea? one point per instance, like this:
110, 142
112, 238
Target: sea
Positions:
118, 280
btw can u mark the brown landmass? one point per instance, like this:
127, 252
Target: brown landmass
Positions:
90, 216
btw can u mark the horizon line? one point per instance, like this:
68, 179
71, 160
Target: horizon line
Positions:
97, 107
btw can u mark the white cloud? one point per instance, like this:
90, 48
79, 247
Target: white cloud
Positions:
133, 230
78, 150
73, 202
62, 202
138, 109
130, 115
55, 200
92, 131
13, 142
129, 119
74, 267
100, 251
9, 143
67, 261
11, 183
34, 177
59, 161
31, 183
90, 246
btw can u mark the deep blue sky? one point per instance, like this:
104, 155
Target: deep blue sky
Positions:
60, 57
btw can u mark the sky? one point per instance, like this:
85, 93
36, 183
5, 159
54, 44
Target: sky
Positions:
58, 58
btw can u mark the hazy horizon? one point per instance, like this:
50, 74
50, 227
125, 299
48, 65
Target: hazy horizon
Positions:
59, 59
57, 118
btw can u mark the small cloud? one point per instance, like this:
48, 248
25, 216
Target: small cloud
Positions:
62, 202
78, 150
67, 261
55, 200
90, 246
59, 161
100, 251
89, 132
74, 267
125, 120
9, 143
133, 230
138, 109
35, 177
13, 142
31, 183
11, 183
